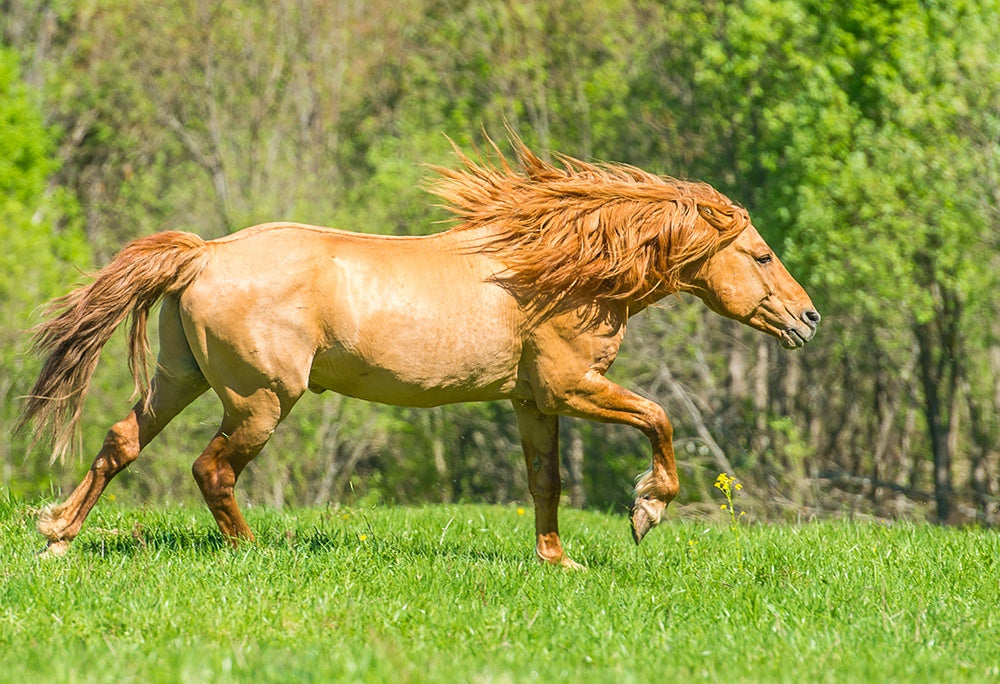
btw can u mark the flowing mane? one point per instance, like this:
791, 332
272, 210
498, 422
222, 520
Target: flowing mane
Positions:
604, 231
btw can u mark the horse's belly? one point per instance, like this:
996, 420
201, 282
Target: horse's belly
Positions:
416, 374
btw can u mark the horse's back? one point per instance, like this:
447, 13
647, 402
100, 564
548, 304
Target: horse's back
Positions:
413, 321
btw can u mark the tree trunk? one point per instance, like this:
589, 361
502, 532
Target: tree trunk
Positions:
441, 466
574, 468
938, 391
761, 398
738, 387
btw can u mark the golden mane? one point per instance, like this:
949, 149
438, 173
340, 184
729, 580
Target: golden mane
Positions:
592, 231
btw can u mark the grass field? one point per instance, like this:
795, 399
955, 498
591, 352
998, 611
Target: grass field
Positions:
452, 594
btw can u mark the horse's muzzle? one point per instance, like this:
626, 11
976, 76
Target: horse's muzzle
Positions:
796, 335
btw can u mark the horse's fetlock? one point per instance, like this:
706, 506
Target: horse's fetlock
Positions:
656, 485
50, 523
671, 488
644, 485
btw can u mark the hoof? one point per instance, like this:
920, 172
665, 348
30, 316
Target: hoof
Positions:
646, 514
48, 523
564, 562
54, 549
556, 558
568, 563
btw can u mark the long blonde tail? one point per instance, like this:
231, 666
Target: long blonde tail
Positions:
82, 322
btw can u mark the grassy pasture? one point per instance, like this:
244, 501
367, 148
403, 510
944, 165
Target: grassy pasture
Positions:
452, 593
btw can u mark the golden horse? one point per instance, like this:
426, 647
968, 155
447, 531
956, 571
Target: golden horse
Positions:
527, 298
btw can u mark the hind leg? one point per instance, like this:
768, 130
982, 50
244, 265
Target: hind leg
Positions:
176, 384
246, 428
61, 523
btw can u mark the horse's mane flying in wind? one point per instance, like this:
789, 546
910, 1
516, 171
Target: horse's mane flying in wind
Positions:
608, 231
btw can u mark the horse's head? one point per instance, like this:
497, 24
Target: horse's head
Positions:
744, 280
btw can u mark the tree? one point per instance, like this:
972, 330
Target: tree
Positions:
39, 237
861, 136
909, 197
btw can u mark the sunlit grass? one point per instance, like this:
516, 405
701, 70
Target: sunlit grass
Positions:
452, 593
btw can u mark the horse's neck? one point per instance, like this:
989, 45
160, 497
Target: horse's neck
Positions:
656, 293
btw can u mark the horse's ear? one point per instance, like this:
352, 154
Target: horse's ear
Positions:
729, 220
713, 218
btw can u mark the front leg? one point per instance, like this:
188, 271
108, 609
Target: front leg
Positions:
569, 356
540, 442
595, 397
602, 400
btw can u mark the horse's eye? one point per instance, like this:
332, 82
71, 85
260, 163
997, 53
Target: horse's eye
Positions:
764, 259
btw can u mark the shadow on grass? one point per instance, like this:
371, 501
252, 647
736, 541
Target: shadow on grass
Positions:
311, 541
395, 547
146, 539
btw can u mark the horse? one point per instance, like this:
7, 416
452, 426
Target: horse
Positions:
526, 298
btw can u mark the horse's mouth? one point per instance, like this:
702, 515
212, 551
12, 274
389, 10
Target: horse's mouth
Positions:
793, 332
795, 338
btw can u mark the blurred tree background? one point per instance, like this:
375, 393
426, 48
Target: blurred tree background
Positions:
863, 138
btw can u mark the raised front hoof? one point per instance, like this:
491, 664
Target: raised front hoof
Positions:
646, 514
55, 549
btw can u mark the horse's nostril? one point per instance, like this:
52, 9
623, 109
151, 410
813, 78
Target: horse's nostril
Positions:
811, 317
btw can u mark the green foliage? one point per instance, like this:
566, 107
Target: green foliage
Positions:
450, 593
905, 189
40, 238
861, 136
36, 243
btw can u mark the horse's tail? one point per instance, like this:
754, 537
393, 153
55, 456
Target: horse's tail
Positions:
82, 322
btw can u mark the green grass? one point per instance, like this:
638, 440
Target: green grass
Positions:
452, 593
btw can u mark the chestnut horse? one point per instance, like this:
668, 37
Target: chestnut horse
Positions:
526, 299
